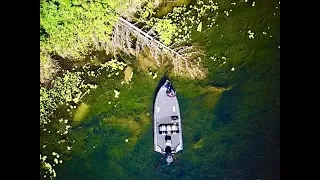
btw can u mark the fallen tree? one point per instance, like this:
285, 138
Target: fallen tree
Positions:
132, 40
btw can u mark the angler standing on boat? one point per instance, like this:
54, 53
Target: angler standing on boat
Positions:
169, 90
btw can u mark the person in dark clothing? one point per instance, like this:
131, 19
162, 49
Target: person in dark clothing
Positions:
169, 91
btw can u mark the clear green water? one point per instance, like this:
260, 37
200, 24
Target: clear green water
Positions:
231, 134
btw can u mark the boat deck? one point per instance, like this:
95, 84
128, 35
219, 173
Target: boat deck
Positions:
167, 122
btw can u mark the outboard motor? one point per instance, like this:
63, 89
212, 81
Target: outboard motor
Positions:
169, 158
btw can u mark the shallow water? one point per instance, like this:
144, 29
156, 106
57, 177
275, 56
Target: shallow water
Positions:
231, 132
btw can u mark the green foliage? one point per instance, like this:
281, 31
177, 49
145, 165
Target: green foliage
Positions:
65, 91
178, 25
76, 27
195, 16
148, 10
113, 65
73, 29
167, 6
146, 14
166, 30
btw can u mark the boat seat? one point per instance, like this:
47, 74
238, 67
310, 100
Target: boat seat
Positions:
168, 129
174, 127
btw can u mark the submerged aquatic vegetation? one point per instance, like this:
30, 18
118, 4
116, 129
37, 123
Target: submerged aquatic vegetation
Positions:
225, 133
65, 90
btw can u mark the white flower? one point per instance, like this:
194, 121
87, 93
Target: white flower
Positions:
232, 69
253, 4
68, 148
245, 0
54, 153
250, 34
44, 158
126, 140
116, 93
155, 76
56, 160
109, 102
60, 161
47, 165
279, 47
